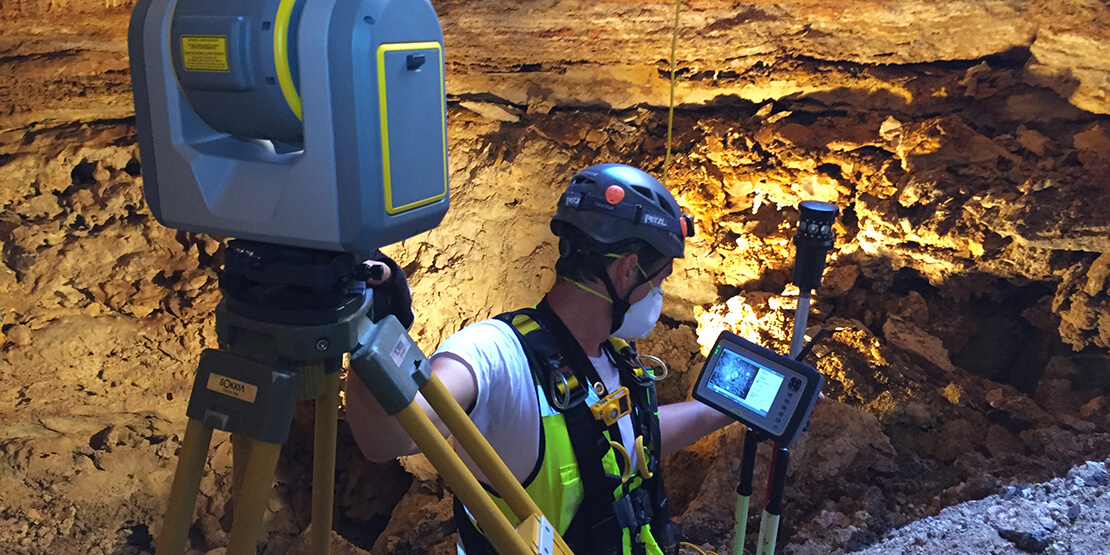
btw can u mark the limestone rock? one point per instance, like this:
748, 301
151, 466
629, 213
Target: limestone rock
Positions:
906, 335
421, 523
976, 180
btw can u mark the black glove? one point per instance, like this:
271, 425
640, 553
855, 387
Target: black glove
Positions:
392, 296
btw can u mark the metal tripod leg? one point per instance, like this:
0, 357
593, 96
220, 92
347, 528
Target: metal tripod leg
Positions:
395, 372
479, 449
186, 484
254, 462
323, 468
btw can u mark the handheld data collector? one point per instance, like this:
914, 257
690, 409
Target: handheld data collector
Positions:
762, 389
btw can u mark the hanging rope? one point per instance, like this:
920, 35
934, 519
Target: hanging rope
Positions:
670, 115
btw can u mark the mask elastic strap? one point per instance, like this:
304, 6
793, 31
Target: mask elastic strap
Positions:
586, 289
648, 278
618, 306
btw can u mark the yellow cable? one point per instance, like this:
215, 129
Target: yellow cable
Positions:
587, 289
670, 116
698, 549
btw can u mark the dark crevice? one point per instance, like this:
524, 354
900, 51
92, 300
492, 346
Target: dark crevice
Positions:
42, 56
138, 536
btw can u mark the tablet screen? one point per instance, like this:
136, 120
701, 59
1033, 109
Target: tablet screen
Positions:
742, 381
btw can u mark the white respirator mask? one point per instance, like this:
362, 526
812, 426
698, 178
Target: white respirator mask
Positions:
642, 315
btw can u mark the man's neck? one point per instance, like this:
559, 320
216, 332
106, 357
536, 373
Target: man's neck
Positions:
586, 315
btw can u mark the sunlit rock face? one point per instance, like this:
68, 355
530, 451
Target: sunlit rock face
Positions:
966, 143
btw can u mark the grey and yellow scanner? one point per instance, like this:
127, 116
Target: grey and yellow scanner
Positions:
308, 123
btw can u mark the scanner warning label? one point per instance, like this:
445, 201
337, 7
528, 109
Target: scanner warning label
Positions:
204, 53
232, 388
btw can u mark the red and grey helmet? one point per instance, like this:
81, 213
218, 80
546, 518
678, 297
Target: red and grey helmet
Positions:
614, 202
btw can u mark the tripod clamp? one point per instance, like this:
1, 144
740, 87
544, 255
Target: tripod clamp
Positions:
287, 318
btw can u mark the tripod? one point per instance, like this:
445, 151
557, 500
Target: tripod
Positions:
813, 239
287, 318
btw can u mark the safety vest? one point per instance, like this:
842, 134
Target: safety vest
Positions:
582, 481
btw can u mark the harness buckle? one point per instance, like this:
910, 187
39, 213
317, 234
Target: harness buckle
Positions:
633, 510
629, 360
564, 388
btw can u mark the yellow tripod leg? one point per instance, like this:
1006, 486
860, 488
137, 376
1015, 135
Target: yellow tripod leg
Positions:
323, 465
250, 507
240, 454
183, 493
479, 449
501, 533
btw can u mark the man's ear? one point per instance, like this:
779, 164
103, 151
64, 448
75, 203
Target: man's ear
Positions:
624, 271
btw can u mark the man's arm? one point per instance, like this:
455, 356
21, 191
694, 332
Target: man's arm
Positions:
380, 437
681, 424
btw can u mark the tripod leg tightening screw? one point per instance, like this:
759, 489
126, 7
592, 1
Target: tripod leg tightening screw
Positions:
322, 345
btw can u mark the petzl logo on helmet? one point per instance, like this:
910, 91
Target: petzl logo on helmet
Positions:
598, 205
572, 199
654, 220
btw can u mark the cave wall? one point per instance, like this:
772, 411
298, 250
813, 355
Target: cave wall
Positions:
968, 145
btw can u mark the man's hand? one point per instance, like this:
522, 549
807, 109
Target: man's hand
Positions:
391, 288
377, 272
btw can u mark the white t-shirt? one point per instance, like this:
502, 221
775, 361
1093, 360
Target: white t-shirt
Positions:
508, 407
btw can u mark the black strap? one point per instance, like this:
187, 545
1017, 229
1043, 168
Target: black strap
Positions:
473, 540
594, 524
595, 527
645, 401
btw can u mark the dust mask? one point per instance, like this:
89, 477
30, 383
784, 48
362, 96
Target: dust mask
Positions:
642, 315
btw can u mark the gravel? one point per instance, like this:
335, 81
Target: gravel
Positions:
1064, 516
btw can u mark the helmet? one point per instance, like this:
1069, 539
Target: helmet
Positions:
614, 202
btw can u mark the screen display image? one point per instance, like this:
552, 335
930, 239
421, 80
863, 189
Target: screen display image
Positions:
742, 381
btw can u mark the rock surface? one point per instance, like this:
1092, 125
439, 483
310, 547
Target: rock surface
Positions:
966, 297
1064, 515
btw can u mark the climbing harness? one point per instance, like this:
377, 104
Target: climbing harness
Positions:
623, 506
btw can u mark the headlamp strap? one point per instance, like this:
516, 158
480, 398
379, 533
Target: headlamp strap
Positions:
636, 213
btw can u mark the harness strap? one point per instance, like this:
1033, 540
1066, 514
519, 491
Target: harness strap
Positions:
473, 540
598, 525
594, 523
644, 399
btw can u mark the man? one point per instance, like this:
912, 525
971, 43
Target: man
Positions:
534, 381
